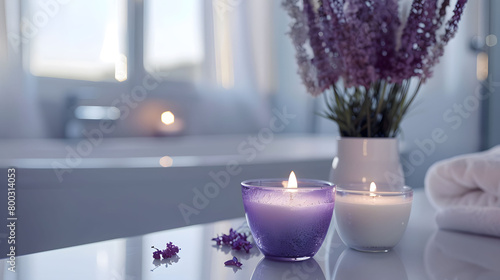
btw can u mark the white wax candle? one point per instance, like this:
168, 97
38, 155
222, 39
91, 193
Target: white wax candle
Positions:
371, 223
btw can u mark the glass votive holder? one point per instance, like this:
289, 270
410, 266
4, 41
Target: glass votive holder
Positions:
371, 220
288, 224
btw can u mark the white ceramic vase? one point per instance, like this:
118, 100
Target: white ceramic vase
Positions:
366, 160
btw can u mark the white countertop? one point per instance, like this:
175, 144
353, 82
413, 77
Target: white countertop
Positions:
424, 253
117, 186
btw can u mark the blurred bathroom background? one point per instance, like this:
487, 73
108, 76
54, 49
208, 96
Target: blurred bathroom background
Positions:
120, 109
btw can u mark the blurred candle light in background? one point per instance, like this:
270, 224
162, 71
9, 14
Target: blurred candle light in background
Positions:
482, 66
166, 161
170, 124
121, 68
167, 118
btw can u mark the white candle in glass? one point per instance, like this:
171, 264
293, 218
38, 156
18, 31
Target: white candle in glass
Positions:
370, 220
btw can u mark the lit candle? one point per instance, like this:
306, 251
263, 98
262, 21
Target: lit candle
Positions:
288, 219
372, 220
170, 124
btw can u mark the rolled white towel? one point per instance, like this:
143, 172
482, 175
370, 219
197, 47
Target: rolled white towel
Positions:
466, 191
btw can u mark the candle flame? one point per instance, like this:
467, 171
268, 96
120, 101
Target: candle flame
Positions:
292, 181
373, 188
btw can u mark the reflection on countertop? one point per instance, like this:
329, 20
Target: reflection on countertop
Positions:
361, 265
304, 270
456, 255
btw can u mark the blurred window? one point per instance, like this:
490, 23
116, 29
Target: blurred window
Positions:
84, 40
173, 38
194, 41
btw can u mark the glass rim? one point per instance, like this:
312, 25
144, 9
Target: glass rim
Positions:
406, 190
316, 185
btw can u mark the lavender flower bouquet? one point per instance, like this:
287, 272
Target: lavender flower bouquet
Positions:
365, 57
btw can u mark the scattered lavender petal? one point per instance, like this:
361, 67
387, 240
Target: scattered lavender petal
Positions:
234, 262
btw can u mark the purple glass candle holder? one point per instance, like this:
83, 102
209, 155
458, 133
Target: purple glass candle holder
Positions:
288, 224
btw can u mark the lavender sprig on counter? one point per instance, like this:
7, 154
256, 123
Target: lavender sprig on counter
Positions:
236, 240
170, 251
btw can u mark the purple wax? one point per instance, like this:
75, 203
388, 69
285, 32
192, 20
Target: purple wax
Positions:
288, 224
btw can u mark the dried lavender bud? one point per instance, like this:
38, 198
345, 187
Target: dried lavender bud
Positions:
234, 262
237, 241
157, 254
169, 252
